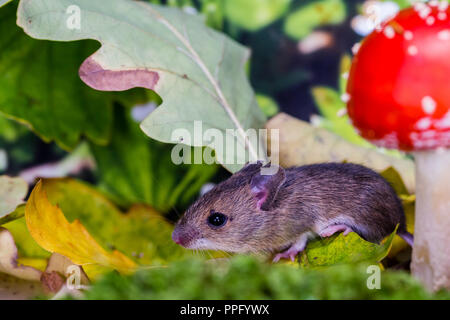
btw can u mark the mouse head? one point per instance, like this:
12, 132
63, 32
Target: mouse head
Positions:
235, 216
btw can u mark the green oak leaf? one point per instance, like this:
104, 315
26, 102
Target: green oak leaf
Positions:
254, 14
12, 193
40, 87
301, 22
340, 249
198, 72
3, 2
136, 169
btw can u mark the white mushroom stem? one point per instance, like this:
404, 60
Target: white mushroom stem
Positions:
431, 252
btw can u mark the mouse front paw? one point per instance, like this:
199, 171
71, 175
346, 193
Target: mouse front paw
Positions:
298, 246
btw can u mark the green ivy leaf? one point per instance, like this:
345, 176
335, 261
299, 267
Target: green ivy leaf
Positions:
171, 52
340, 249
305, 19
136, 169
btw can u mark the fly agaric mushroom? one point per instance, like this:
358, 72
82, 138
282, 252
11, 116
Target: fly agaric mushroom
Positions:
399, 97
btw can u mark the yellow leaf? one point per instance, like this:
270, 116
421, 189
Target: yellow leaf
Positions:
51, 230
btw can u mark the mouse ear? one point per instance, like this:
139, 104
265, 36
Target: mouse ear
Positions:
250, 167
265, 188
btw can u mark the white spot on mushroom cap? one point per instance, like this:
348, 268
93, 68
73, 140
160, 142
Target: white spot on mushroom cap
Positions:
430, 21
389, 32
419, 6
430, 139
444, 34
389, 141
442, 16
433, 3
428, 105
429, 134
424, 12
344, 75
423, 124
443, 123
443, 5
412, 50
374, 13
345, 97
408, 35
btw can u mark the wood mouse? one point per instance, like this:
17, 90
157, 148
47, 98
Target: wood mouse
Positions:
279, 213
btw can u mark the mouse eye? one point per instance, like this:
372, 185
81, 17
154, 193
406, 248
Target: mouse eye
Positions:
217, 219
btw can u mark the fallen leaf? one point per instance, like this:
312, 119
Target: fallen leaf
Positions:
142, 233
340, 249
12, 193
408, 202
54, 233
16, 281
8, 259
63, 277
62, 265
300, 143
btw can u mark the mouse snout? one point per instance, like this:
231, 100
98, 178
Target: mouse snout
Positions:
177, 238
183, 237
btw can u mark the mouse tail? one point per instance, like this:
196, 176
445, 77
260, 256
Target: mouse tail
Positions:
408, 237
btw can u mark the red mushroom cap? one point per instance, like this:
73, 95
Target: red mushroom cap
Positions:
399, 82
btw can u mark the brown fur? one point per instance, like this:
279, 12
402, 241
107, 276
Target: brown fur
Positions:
321, 194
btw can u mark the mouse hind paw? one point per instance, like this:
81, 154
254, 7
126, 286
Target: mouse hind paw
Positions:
330, 230
288, 254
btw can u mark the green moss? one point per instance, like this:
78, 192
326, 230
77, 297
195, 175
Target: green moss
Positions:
247, 278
